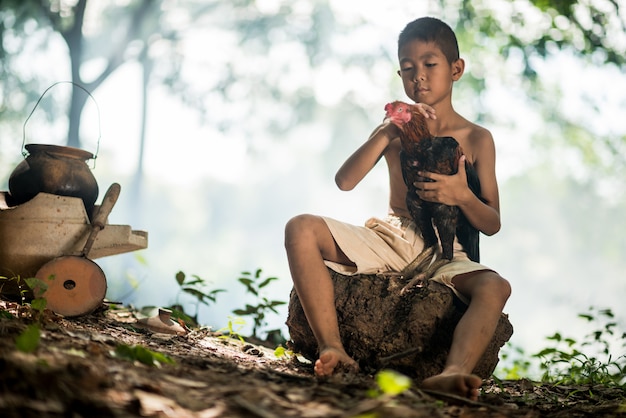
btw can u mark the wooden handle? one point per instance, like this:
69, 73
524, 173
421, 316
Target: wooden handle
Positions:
108, 201
98, 222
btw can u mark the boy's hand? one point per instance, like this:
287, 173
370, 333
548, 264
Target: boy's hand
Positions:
390, 129
450, 190
393, 131
427, 111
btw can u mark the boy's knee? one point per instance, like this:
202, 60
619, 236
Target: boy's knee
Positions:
504, 288
297, 227
492, 284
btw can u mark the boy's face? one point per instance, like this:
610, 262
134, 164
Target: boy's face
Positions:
426, 74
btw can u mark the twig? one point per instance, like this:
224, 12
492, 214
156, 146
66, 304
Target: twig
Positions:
385, 360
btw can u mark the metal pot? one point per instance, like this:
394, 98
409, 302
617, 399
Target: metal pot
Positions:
56, 170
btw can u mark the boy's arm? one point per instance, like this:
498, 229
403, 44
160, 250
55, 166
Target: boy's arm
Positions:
365, 157
485, 216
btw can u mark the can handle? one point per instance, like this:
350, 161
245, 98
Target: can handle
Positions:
95, 155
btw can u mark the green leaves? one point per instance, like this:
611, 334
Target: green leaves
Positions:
571, 361
28, 340
254, 283
193, 286
142, 355
390, 383
233, 327
281, 352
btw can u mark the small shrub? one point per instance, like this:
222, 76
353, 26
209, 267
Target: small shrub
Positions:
233, 327
565, 362
254, 284
196, 287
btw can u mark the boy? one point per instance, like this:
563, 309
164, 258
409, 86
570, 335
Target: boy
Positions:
429, 65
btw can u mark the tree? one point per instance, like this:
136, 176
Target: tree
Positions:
532, 31
135, 22
525, 30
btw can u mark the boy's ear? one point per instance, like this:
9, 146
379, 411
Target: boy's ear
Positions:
458, 67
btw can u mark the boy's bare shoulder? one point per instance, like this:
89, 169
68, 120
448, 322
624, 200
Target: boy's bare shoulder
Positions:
474, 132
474, 139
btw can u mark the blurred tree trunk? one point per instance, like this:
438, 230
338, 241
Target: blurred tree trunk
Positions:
136, 195
75, 40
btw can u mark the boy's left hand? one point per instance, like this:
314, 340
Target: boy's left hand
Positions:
447, 189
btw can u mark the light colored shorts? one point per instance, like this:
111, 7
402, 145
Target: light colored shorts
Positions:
388, 246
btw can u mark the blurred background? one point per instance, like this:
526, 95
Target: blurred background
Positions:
222, 120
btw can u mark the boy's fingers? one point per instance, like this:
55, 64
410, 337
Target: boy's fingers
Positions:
462, 164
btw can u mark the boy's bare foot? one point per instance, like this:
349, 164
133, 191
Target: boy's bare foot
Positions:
332, 359
460, 384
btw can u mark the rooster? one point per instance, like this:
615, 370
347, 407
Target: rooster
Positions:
423, 152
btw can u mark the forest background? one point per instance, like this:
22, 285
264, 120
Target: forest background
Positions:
222, 120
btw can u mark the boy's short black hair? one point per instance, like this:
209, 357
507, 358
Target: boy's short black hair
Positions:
430, 29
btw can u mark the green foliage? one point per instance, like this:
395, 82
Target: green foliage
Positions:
6, 314
520, 366
281, 352
525, 30
142, 355
254, 284
25, 288
390, 383
570, 361
233, 327
28, 340
195, 287
38, 304
21, 285
565, 362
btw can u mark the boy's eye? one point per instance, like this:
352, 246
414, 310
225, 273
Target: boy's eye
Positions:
430, 64
405, 69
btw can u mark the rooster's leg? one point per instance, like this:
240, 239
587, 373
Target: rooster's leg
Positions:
420, 279
420, 262
445, 226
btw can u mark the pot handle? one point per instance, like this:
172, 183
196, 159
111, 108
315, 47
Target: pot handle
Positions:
95, 155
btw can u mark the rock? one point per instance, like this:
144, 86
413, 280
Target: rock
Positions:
380, 328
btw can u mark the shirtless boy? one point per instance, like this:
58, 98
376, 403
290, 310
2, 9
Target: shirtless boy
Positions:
429, 66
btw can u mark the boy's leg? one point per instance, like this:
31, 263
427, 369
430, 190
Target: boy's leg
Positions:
309, 242
488, 293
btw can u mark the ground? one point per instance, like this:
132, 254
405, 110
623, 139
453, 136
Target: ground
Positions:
77, 370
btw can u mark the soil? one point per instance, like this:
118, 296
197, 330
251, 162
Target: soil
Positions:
75, 372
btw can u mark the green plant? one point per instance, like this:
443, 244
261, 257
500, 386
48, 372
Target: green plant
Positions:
196, 287
282, 352
254, 283
565, 363
141, 354
38, 305
390, 383
28, 340
515, 363
230, 327
16, 286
